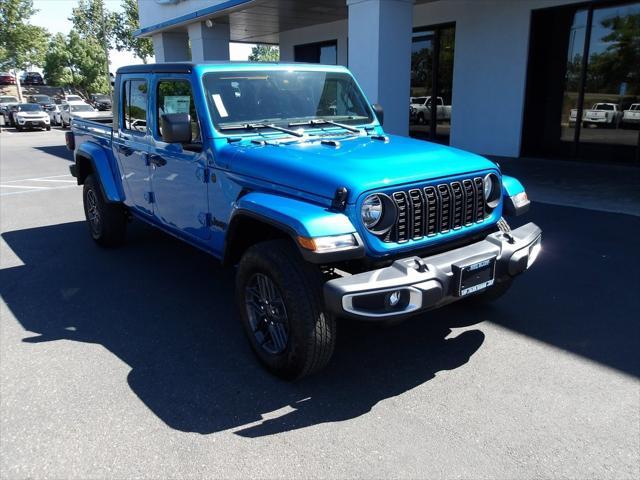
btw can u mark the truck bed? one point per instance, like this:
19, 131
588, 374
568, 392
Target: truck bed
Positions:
99, 130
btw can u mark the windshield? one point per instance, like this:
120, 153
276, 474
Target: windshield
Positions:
101, 98
81, 108
603, 106
283, 97
73, 98
8, 100
30, 107
42, 99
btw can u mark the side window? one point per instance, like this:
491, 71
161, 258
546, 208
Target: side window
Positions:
176, 96
134, 105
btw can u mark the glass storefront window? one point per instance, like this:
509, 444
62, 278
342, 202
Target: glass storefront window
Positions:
432, 53
609, 81
613, 76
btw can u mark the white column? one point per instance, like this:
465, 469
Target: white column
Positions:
209, 43
171, 47
380, 56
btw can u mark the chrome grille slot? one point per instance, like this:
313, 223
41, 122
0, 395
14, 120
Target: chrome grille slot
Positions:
444, 193
458, 204
402, 227
432, 211
417, 208
469, 200
479, 206
437, 209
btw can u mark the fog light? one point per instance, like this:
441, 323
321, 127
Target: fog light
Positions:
393, 298
534, 251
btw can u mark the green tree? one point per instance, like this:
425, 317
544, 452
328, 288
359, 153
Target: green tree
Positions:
21, 44
95, 23
127, 22
74, 61
57, 62
264, 53
88, 70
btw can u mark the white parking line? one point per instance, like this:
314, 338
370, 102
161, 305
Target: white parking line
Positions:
52, 180
24, 186
37, 179
33, 189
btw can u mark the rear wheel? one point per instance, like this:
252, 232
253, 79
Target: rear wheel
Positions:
107, 222
281, 309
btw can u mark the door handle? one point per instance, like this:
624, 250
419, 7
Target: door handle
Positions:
157, 160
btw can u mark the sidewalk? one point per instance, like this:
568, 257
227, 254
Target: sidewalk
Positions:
603, 187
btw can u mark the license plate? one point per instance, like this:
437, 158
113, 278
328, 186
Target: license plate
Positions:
475, 276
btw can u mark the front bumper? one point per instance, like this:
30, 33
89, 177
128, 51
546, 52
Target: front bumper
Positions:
430, 282
596, 119
33, 122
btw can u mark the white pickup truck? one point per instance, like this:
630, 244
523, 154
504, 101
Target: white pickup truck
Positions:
420, 109
631, 116
606, 114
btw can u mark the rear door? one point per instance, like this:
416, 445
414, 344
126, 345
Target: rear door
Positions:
131, 143
178, 172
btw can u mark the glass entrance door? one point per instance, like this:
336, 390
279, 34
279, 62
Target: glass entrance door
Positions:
431, 83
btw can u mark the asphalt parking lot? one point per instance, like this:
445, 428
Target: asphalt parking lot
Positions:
131, 363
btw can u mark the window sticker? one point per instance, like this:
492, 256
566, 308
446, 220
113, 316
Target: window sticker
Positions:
177, 104
217, 99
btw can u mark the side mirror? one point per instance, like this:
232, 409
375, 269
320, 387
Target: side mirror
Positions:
377, 108
176, 128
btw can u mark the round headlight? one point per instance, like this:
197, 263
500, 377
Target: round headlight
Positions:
371, 211
492, 190
488, 186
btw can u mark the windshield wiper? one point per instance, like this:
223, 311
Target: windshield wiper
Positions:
323, 121
254, 126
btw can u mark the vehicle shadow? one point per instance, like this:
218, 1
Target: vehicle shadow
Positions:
166, 310
60, 151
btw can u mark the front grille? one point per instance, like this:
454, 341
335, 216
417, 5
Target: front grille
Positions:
428, 211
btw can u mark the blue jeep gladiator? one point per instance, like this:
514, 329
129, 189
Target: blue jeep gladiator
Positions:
286, 172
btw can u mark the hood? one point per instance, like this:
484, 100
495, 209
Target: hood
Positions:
89, 115
358, 163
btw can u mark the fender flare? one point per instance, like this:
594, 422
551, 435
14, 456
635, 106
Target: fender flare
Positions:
296, 218
511, 187
101, 166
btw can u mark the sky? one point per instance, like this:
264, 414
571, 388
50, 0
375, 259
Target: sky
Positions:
54, 16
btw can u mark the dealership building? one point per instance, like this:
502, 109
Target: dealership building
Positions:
510, 76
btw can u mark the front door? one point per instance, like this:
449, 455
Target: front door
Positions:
131, 144
178, 172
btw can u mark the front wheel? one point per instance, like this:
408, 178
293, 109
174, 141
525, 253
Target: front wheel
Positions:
107, 222
281, 309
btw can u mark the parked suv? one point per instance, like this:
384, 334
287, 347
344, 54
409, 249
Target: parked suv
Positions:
6, 102
45, 101
7, 78
100, 101
30, 115
32, 78
286, 172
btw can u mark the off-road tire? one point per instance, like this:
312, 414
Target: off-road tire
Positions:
311, 329
111, 225
491, 294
